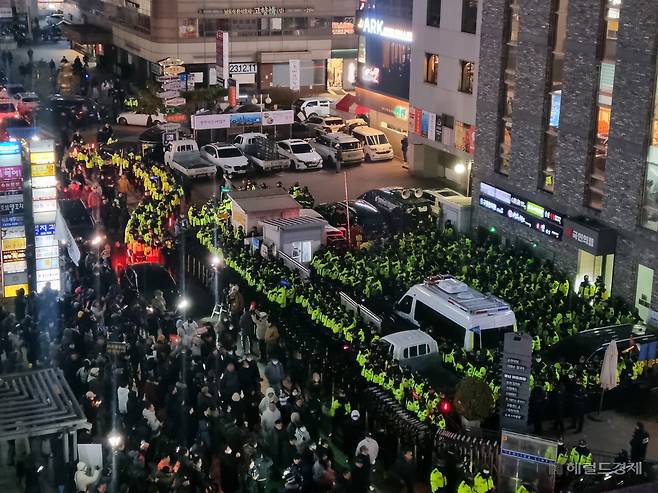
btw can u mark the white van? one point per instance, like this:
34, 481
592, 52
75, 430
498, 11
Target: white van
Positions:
457, 312
376, 146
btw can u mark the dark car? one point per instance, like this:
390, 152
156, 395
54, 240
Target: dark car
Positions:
145, 279
403, 208
17, 128
77, 219
362, 214
74, 111
591, 344
151, 141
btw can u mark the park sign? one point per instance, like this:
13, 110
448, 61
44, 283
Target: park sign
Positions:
174, 85
167, 78
168, 94
175, 102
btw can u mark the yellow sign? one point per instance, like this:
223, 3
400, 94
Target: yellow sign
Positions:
42, 157
239, 218
173, 70
10, 291
10, 244
43, 170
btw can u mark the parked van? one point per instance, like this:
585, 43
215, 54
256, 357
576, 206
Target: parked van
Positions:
307, 107
450, 309
376, 146
338, 148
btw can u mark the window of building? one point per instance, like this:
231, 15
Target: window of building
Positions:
599, 154
502, 164
469, 16
434, 13
649, 216
554, 96
467, 72
431, 67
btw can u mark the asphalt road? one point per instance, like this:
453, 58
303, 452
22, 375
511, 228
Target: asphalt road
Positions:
329, 186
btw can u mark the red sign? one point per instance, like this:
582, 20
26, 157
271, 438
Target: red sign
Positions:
177, 118
418, 121
11, 186
11, 172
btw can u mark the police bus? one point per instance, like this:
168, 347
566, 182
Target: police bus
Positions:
448, 308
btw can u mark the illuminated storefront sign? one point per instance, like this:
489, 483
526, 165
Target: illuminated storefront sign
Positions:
371, 25
521, 211
44, 212
370, 74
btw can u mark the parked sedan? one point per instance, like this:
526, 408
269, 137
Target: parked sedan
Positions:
300, 153
140, 119
226, 157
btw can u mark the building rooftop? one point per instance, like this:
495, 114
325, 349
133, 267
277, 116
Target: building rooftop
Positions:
296, 223
263, 200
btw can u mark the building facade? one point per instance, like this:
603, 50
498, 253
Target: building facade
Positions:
443, 90
263, 38
383, 68
567, 142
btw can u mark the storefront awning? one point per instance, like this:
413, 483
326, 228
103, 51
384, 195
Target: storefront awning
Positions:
86, 34
348, 104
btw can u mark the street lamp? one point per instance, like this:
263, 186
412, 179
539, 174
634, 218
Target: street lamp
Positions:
259, 100
461, 169
115, 440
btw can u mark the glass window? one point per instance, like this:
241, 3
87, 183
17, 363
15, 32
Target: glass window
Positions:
599, 154
431, 67
423, 349
434, 13
405, 353
466, 76
229, 152
413, 351
469, 16
301, 148
404, 305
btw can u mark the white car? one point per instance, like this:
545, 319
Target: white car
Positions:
227, 157
140, 119
325, 124
300, 153
26, 102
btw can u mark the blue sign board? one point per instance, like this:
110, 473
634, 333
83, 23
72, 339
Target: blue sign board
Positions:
9, 148
11, 221
44, 229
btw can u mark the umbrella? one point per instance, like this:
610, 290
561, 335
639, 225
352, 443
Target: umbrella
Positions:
609, 368
608, 375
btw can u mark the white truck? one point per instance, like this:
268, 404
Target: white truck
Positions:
260, 151
192, 164
176, 146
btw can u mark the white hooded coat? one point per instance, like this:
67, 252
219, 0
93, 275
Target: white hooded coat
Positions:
82, 479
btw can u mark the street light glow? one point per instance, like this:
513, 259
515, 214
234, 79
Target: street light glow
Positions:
460, 168
115, 440
183, 304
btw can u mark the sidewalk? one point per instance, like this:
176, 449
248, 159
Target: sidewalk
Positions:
608, 433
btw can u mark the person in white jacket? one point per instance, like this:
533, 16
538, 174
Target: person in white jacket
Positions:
372, 448
122, 398
82, 480
151, 419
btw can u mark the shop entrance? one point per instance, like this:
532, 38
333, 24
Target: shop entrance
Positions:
594, 266
334, 73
